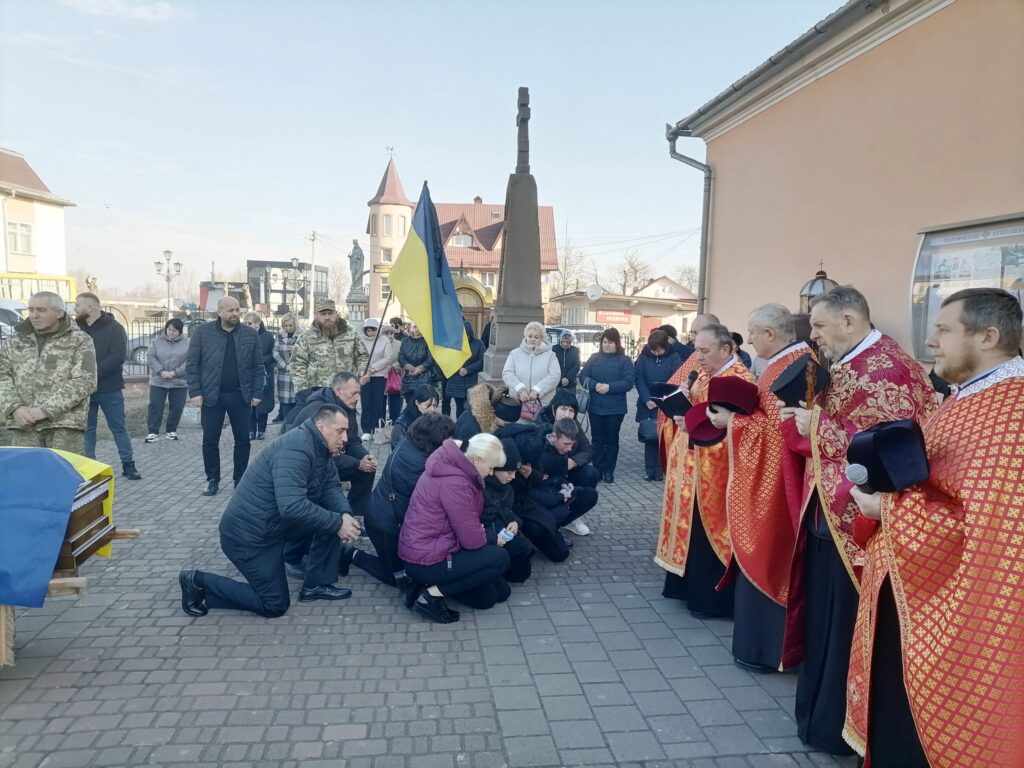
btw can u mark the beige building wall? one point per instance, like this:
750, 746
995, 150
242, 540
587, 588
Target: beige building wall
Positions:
379, 267
922, 130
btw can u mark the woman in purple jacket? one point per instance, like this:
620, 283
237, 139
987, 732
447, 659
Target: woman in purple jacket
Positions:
442, 541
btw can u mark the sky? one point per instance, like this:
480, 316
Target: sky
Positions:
227, 130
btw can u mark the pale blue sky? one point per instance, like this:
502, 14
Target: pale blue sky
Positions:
229, 130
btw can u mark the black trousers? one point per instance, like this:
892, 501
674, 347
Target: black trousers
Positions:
541, 529
471, 576
265, 590
157, 397
584, 476
372, 398
892, 736
395, 403
257, 421
212, 418
760, 625
358, 498
831, 613
697, 586
605, 431
386, 563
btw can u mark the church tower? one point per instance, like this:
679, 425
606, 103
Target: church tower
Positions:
389, 223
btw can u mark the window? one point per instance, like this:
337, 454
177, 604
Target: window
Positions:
495, 215
488, 279
373, 223
461, 241
387, 223
401, 226
19, 237
385, 254
385, 289
986, 254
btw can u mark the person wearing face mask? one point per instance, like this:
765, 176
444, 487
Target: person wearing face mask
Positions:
166, 358
291, 490
260, 413
609, 375
531, 371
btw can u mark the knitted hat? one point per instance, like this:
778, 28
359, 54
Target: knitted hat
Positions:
508, 409
512, 458
371, 322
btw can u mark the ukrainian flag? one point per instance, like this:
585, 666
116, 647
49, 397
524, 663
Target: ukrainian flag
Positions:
421, 280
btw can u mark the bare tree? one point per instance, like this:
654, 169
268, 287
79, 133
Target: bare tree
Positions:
687, 276
571, 273
339, 278
630, 272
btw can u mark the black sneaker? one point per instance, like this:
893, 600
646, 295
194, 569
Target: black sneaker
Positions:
434, 608
193, 597
211, 488
324, 592
128, 470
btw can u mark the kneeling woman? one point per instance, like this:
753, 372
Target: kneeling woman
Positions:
501, 526
442, 542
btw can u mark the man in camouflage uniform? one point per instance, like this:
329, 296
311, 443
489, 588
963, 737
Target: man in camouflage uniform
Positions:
47, 373
325, 348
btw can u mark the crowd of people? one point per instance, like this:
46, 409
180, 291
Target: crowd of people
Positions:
893, 608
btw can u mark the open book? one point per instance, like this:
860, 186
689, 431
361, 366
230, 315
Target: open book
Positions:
670, 399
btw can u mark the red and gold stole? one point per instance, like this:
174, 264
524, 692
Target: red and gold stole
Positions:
882, 383
766, 488
667, 429
954, 550
695, 473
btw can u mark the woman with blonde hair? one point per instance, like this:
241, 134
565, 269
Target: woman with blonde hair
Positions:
442, 542
532, 371
283, 345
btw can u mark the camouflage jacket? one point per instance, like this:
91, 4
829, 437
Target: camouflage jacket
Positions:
315, 358
56, 372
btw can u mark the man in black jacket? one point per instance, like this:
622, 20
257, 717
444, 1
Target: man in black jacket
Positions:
355, 464
555, 491
291, 490
225, 376
111, 344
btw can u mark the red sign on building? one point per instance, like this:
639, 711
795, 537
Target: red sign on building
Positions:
614, 316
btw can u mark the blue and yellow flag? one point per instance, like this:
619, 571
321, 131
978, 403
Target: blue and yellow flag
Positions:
422, 282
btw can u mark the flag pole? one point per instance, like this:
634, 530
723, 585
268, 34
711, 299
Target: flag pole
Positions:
383, 314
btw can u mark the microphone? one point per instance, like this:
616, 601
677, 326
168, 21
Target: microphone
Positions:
858, 475
692, 378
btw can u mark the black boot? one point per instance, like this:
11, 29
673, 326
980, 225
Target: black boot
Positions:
128, 470
348, 557
409, 589
434, 608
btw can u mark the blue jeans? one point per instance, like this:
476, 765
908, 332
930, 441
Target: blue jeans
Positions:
112, 404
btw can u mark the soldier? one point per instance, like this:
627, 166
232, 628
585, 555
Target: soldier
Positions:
326, 347
47, 373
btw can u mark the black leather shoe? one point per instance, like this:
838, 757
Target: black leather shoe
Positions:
568, 542
295, 571
434, 608
348, 556
609, 477
324, 592
193, 596
211, 488
128, 470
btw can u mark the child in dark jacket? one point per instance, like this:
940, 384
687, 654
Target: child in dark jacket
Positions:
499, 518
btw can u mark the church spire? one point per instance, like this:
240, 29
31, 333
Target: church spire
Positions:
390, 191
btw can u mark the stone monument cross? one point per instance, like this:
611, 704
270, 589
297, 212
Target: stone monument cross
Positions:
523, 123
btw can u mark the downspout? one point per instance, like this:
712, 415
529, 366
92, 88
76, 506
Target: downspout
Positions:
705, 218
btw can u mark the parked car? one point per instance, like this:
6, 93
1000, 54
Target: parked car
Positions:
12, 312
582, 334
139, 343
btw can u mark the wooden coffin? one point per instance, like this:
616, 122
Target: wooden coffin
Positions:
88, 530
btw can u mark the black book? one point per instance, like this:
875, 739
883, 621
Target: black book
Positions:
670, 399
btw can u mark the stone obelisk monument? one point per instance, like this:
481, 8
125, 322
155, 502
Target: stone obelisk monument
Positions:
519, 274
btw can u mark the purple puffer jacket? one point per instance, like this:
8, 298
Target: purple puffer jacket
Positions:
444, 511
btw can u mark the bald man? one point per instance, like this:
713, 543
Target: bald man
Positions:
225, 376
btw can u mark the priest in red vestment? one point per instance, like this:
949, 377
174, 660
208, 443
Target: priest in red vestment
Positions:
765, 495
667, 429
937, 667
693, 541
872, 380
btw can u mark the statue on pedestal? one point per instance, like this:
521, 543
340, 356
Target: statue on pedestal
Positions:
355, 265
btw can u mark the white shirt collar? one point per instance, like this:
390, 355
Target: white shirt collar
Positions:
795, 347
1012, 368
732, 360
869, 341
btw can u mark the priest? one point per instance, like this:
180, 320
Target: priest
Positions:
942, 598
693, 541
765, 494
872, 380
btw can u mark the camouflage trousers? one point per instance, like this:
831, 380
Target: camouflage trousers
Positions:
70, 440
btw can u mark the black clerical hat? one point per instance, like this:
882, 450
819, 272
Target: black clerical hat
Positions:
791, 385
893, 454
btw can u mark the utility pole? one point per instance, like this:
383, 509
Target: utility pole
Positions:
311, 293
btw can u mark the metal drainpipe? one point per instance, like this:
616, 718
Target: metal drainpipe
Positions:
702, 269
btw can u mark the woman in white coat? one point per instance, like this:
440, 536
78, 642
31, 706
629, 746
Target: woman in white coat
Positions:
531, 370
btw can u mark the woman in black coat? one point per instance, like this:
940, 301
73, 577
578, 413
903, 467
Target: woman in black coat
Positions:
390, 500
654, 365
259, 414
424, 400
466, 377
568, 360
608, 375
416, 363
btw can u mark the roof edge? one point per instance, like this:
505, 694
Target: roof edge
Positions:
14, 190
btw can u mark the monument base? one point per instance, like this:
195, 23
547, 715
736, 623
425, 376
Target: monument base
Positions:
358, 308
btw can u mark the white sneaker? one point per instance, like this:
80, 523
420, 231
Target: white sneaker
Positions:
152, 438
366, 436
578, 527
172, 435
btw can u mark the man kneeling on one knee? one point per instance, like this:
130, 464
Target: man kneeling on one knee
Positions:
291, 491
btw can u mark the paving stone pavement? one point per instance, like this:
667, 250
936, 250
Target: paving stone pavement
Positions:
586, 665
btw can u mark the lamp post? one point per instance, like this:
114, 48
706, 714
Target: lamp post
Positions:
168, 275
268, 271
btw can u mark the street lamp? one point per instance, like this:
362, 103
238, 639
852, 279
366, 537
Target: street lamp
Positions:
168, 275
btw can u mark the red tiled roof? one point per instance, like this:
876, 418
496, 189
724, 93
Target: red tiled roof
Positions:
487, 224
14, 169
390, 191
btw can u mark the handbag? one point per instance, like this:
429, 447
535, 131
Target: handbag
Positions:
583, 397
394, 382
382, 433
530, 410
647, 431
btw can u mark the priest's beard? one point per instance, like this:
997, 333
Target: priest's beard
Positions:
330, 329
959, 369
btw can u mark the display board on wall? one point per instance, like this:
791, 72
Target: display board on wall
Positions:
614, 316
